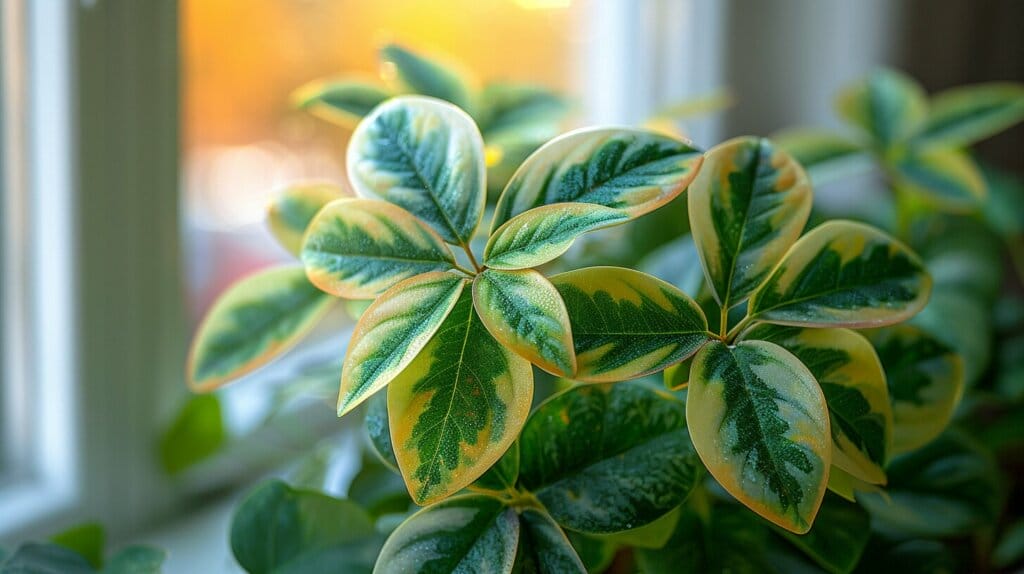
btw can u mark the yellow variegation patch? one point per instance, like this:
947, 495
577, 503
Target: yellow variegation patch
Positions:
339, 101
458, 407
290, 213
357, 248
845, 274
948, 177
524, 312
392, 331
847, 486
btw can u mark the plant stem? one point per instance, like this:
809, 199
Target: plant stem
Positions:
469, 272
472, 260
738, 329
723, 322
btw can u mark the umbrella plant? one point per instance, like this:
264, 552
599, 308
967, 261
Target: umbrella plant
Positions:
783, 400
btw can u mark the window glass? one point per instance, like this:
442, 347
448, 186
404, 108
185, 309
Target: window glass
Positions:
241, 61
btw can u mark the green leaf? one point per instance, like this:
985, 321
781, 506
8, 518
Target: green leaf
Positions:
543, 547
748, 205
524, 312
907, 557
951, 487
847, 486
471, 533
502, 476
677, 377
962, 116
887, 105
89, 540
652, 535
608, 458
291, 211
677, 262
626, 324
971, 317
843, 274
517, 112
379, 430
839, 535
426, 156
1010, 547
760, 424
278, 527
948, 177
595, 552
854, 384
636, 171
253, 322
457, 407
427, 76
35, 558
393, 331
825, 156
341, 102
543, 233
1004, 210
196, 434
137, 560
378, 489
926, 381
358, 248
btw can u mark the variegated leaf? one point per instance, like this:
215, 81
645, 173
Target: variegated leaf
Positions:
626, 324
543, 546
844, 274
851, 377
392, 331
947, 176
847, 486
426, 156
608, 458
524, 312
634, 170
358, 248
760, 424
887, 105
517, 113
457, 407
339, 101
293, 209
961, 116
427, 76
748, 205
926, 381
255, 321
464, 534
543, 233
825, 156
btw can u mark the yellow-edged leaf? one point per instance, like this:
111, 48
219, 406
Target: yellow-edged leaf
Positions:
342, 102
760, 424
961, 116
844, 274
357, 248
290, 213
634, 170
255, 321
426, 156
627, 324
747, 205
888, 105
392, 331
947, 176
457, 407
524, 312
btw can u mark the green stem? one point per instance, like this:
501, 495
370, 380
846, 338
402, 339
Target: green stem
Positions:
469, 272
738, 329
723, 322
472, 259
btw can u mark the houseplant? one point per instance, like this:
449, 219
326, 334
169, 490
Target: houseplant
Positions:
452, 335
